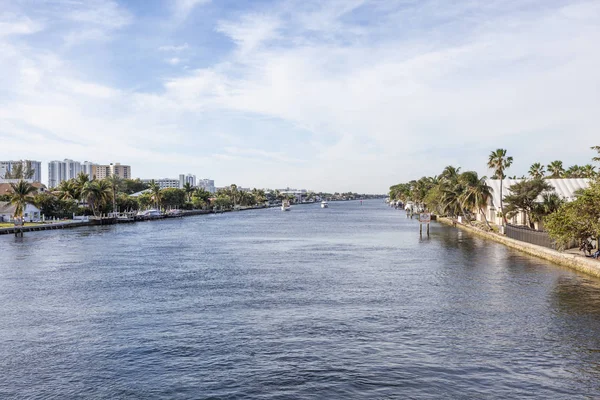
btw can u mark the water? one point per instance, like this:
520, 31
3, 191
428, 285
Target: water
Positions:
344, 302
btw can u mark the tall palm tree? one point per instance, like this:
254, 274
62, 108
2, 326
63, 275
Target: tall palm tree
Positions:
155, 189
556, 170
537, 171
574, 171
500, 162
115, 182
22, 194
189, 189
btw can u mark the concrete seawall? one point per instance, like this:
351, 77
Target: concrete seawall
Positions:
586, 265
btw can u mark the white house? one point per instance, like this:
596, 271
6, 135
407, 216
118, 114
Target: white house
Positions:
7, 210
564, 188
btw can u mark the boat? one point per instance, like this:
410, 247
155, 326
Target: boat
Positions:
324, 204
285, 205
149, 214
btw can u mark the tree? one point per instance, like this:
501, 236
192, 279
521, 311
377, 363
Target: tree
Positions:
96, 194
574, 171
476, 193
551, 202
596, 158
499, 163
22, 194
155, 190
523, 197
115, 182
189, 189
579, 219
80, 181
52, 206
131, 186
173, 198
67, 190
556, 170
536, 171
588, 171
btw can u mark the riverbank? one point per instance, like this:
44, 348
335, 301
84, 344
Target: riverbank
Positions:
582, 264
76, 224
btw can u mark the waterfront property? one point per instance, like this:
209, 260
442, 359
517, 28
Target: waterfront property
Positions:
30, 214
564, 188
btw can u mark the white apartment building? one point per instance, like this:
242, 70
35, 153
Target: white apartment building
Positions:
35, 166
164, 183
189, 178
59, 171
207, 184
89, 168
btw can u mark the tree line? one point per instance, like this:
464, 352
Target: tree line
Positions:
456, 193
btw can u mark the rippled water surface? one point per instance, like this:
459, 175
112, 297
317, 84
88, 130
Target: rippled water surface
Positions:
344, 302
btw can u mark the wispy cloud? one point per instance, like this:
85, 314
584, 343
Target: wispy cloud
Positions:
182, 8
371, 92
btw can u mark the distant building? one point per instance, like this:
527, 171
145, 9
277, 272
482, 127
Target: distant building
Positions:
207, 184
89, 168
189, 178
164, 183
104, 171
35, 166
59, 171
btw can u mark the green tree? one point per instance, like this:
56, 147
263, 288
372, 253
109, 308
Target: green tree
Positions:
173, 198
67, 190
156, 194
96, 194
476, 193
556, 170
189, 189
80, 181
579, 219
499, 162
537, 171
523, 197
22, 194
115, 182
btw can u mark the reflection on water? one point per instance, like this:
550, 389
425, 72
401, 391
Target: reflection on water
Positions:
344, 302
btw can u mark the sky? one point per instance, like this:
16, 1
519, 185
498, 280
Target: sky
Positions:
351, 95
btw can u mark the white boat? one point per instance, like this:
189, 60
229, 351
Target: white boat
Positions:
324, 204
285, 206
150, 214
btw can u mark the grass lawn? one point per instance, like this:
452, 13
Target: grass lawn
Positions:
11, 225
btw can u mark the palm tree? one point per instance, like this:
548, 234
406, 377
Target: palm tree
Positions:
597, 158
574, 171
499, 163
536, 171
22, 192
155, 189
80, 182
588, 171
115, 182
67, 190
556, 170
189, 189
476, 193
96, 194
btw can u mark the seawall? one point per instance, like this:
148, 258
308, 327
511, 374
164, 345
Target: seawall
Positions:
586, 265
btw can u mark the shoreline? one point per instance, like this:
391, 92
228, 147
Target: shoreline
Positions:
576, 262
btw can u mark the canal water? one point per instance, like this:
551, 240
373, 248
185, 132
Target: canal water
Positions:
344, 302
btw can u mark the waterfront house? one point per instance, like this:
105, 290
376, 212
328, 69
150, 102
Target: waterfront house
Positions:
6, 188
564, 188
7, 210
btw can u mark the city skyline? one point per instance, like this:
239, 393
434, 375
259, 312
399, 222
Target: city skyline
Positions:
339, 96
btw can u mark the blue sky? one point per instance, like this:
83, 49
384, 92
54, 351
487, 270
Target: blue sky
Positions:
328, 95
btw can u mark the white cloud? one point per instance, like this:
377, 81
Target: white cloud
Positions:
173, 60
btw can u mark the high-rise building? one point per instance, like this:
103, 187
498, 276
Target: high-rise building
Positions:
207, 184
89, 168
104, 171
28, 165
189, 178
59, 171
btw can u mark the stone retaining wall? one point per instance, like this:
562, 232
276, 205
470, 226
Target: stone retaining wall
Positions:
582, 264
